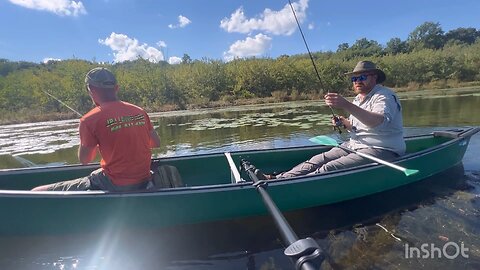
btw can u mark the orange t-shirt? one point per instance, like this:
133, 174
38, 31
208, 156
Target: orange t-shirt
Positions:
122, 132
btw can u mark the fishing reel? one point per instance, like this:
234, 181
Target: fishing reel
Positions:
338, 124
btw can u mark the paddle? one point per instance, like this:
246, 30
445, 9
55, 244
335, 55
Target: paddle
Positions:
325, 140
303, 251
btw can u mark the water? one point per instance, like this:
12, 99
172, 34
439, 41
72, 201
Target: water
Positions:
368, 233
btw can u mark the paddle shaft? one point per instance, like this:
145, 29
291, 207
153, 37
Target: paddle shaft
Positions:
325, 140
288, 235
381, 161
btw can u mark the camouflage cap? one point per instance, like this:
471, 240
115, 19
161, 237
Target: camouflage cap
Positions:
101, 77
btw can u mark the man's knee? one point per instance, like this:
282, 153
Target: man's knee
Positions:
329, 166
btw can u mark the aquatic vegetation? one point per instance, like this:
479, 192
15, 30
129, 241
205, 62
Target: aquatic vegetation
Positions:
295, 117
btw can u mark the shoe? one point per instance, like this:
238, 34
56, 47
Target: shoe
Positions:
261, 176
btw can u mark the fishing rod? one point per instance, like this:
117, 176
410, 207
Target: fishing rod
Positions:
338, 122
63, 103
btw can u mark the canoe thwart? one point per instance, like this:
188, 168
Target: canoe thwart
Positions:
235, 174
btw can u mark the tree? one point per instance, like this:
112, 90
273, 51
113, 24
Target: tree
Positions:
343, 47
396, 46
463, 35
428, 35
186, 59
366, 48
6, 66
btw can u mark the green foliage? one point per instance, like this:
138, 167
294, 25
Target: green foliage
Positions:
429, 35
396, 46
463, 35
6, 66
427, 57
186, 59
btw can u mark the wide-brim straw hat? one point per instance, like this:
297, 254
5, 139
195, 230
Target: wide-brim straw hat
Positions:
368, 66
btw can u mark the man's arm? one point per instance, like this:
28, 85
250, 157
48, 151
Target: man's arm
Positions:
86, 154
154, 139
368, 118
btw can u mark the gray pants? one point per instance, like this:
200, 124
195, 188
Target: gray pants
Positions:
335, 159
164, 176
97, 180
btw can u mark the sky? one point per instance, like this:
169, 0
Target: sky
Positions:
114, 31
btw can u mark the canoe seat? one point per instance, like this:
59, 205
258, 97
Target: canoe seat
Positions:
167, 176
448, 133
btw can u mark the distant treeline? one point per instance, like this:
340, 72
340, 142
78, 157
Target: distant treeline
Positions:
429, 58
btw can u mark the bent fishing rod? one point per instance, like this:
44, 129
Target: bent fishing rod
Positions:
338, 122
63, 103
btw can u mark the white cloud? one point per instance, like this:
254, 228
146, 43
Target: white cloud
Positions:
59, 7
182, 22
311, 26
161, 44
126, 49
48, 59
279, 22
174, 60
249, 47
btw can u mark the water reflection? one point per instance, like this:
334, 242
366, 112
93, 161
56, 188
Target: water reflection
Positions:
435, 111
203, 131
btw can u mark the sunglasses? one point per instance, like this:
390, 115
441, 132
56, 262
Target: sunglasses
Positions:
360, 78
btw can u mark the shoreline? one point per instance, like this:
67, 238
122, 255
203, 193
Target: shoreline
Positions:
402, 93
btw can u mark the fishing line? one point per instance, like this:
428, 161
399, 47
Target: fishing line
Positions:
63, 103
338, 123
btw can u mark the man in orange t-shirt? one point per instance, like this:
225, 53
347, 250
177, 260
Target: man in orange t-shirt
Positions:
123, 134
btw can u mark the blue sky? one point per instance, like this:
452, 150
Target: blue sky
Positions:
119, 30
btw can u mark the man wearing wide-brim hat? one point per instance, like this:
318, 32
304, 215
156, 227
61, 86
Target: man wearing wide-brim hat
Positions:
375, 125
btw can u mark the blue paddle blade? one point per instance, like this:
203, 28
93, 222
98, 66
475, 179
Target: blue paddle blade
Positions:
409, 172
324, 140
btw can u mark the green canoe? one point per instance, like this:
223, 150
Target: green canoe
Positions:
211, 190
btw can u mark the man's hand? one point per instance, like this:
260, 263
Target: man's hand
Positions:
335, 100
341, 121
368, 118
